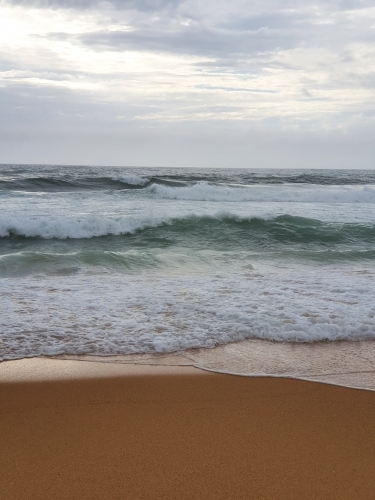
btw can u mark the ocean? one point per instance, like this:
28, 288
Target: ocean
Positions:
103, 261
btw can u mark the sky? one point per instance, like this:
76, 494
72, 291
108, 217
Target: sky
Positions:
225, 83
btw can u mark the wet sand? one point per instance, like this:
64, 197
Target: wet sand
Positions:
181, 433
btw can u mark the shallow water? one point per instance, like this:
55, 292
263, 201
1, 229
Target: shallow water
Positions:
345, 363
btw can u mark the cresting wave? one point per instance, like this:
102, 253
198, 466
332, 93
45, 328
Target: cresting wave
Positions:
69, 183
284, 228
73, 228
203, 191
181, 189
50, 177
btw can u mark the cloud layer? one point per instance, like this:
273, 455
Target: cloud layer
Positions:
224, 83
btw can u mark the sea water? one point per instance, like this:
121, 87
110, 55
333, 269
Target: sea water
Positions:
106, 261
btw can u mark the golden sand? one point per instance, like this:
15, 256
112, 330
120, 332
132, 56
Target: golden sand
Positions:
185, 434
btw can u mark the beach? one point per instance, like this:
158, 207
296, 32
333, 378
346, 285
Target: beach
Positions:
187, 250
142, 432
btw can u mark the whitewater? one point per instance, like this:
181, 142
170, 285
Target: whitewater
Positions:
100, 261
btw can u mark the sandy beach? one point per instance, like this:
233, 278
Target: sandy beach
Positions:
182, 433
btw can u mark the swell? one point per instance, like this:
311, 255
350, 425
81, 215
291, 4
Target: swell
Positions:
55, 184
66, 178
203, 191
43, 263
224, 232
209, 186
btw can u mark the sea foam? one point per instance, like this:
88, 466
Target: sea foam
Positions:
75, 228
132, 179
83, 227
203, 191
108, 314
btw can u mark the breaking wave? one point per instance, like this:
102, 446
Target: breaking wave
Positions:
69, 183
203, 191
223, 228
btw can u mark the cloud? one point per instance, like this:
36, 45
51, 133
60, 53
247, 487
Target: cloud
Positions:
194, 40
142, 5
229, 34
242, 73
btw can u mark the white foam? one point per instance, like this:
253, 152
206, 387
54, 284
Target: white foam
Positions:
132, 179
297, 193
107, 314
49, 226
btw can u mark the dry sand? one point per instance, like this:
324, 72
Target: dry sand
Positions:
181, 433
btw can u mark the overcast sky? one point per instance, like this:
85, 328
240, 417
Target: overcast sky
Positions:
225, 83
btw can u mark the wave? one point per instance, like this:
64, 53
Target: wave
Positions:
52, 263
134, 175
73, 228
204, 191
49, 263
236, 186
132, 180
224, 230
62, 184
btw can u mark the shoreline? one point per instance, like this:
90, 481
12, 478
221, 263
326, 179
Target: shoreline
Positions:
146, 432
40, 369
341, 363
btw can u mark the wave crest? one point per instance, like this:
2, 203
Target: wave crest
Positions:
204, 191
223, 228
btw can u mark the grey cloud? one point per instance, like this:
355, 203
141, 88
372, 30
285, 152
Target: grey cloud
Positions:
42, 123
141, 5
306, 92
231, 41
194, 40
355, 4
277, 20
63, 126
236, 89
187, 145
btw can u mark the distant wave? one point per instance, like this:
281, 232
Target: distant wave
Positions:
203, 191
52, 184
217, 189
132, 180
72, 177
